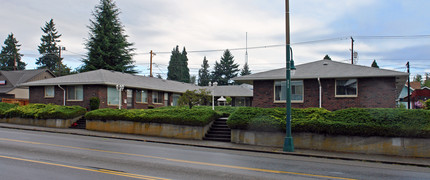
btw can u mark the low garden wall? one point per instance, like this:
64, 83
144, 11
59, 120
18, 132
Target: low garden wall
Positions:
393, 146
55, 123
150, 129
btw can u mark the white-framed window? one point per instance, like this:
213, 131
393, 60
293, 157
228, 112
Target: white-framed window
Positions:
296, 91
175, 99
112, 95
346, 88
75, 93
157, 97
142, 96
49, 91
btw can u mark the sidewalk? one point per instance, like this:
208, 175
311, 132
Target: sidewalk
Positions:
421, 162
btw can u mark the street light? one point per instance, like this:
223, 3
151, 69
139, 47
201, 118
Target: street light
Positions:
288, 142
214, 84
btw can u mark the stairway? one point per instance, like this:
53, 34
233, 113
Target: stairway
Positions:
219, 131
80, 124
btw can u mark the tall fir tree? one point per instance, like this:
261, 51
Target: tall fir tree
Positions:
185, 71
204, 74
178, 66
174, 65
327, 57
374, 64
225, 70
245, 71
50, 51
10, 54
107, 45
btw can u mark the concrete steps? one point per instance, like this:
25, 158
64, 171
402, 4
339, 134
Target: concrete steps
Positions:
80, 124
219, 131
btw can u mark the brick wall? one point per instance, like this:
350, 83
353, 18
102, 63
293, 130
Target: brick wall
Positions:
372, 93
37, 95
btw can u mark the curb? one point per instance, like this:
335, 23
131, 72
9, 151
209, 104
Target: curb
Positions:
224, 148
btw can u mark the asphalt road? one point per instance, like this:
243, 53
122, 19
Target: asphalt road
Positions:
40, 155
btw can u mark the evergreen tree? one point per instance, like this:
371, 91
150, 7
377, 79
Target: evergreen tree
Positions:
107, 45
204, 75
174, 65
427, 80
9, 54
225, 70
185, 71
418, 78
245, 71
374, 64
178, 66
50, 51
327, 57
193, 79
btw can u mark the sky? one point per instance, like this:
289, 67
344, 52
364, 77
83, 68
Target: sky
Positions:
391, 32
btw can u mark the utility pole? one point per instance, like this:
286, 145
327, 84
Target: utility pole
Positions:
150, 63
409, 87
352, 50
246, 51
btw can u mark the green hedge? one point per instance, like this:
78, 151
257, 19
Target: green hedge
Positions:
221, 110
4, 107
178, 116
353, 121
45, 111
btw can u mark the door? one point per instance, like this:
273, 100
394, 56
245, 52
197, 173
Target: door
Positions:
129, 99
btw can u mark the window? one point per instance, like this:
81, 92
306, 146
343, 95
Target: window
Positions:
346, 88
75, 93
296, 91
49, 91
141, 96
166, 99
157, 97
175, 99
112, 95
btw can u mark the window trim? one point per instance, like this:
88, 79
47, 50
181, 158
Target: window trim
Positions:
53, 92
292, 101
75, 93
345, 96
158, 94
138, 92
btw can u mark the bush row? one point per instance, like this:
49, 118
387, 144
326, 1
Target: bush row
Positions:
353, 121
178, 116
45, 111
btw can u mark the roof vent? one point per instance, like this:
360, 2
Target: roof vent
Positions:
325, 63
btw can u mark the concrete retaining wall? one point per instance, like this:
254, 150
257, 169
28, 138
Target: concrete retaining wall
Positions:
56, 123
394, 146
150, 129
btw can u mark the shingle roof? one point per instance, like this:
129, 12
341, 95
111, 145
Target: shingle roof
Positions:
324, 69
106, 77
243, 90
17, 77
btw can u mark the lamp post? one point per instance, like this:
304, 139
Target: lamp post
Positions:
288, 142
119, 88
214, 84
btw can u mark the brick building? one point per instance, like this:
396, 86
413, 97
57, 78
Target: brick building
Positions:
328, 84
139, 92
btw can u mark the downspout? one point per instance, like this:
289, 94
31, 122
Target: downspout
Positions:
319, 82
64, 95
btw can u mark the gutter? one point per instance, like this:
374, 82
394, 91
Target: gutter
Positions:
320, 91
64, 95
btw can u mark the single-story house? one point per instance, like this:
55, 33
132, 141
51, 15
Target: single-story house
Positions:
9, 81
417, 96
139, 92
241, 95
328, 84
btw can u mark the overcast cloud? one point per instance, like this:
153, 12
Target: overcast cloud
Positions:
160, 25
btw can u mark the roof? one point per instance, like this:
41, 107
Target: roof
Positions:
107, 77
323, 69
244, 90
21, 76
327, 69
415, 85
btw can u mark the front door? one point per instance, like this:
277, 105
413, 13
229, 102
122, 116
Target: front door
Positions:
129, 99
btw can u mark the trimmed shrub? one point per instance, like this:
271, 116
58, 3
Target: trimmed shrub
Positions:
178, 116
353, 121
94, 103
46, 111
4, 107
